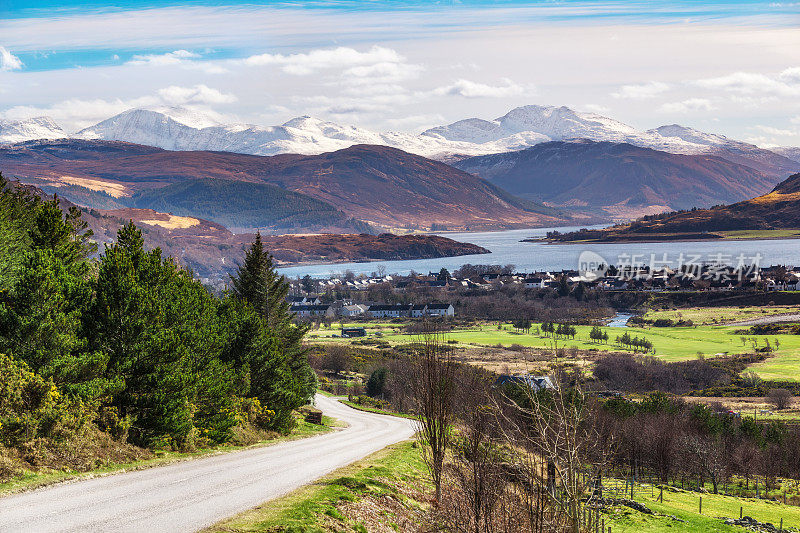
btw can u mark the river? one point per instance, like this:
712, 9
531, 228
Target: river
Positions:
506, 249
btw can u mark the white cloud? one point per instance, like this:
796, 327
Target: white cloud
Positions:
748, 83
472, 89
770, 130
795, 120
790, 75
597, 108
383, 72
641, 91
9, 61
302, 64
174, 95
688, 105
75, 113
177, 58
160, 60
417, 123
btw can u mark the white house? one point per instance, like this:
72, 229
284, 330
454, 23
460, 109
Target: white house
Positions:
388, 311
439, 310
312, 310
353, 310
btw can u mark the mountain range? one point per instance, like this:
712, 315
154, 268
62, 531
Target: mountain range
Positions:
526, 168
348, 190
180, 128
618, 180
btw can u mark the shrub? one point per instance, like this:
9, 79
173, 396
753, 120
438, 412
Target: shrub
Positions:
780, 398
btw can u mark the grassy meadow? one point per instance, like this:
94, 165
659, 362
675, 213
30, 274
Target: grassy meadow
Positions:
720, 315
669, 344
685, 506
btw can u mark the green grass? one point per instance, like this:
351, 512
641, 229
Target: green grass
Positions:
685, 505
720, 315
376, 410
760, 234
31, 480
670, 344
310, 509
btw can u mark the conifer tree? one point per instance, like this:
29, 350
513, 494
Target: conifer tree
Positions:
259, 283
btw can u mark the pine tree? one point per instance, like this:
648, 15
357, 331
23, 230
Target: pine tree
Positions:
258, 283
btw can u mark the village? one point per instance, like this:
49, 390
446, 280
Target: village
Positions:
379, 295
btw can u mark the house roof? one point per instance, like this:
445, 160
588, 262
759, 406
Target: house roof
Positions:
321, 307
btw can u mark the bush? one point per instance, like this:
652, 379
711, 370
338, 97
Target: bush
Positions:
780, 398
376, 382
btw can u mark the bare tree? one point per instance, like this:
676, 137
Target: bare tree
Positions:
708, 456
336, 358
557, 449
780, 398
434, 391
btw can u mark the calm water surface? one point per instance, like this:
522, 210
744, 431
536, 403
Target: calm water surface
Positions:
506, 249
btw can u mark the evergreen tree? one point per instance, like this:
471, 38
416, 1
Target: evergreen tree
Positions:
157, 328
258, 283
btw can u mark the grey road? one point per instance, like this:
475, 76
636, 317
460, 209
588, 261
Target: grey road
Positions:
191, 495
772, 319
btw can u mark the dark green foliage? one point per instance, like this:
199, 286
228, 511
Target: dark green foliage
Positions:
241, 204
259, 284
131, 341
376, 382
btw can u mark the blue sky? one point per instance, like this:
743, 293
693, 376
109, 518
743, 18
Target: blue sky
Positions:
726, 67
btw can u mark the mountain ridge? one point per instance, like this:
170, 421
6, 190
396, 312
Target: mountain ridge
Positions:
179, 128
618, 178
779, 209
381, 186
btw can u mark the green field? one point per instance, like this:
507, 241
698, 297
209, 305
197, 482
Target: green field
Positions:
670, 344
720, 315
685, 506
760, 234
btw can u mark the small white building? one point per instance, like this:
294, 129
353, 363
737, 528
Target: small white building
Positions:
306, 311
439, 310
353, 310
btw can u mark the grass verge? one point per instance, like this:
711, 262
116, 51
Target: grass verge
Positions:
384, 490
375, 410
33, 480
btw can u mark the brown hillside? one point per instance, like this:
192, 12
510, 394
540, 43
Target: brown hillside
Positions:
379, 185
778, 209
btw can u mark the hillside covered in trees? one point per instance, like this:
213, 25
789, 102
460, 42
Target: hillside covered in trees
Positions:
776, 210
129, 350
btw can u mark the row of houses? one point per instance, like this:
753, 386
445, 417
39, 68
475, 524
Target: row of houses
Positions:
349, 310
712, 277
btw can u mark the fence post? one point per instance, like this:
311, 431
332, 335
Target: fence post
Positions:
741, 510
701, 505
661, 495
781, 528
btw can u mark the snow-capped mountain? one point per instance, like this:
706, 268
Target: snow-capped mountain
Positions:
528, 125
12, 131
189, 129
301, 135
792, 152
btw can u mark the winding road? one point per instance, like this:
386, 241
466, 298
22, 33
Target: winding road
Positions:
194, 494
770, 319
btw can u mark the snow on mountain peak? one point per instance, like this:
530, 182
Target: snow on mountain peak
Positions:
691, 135
33, 128
192, 128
